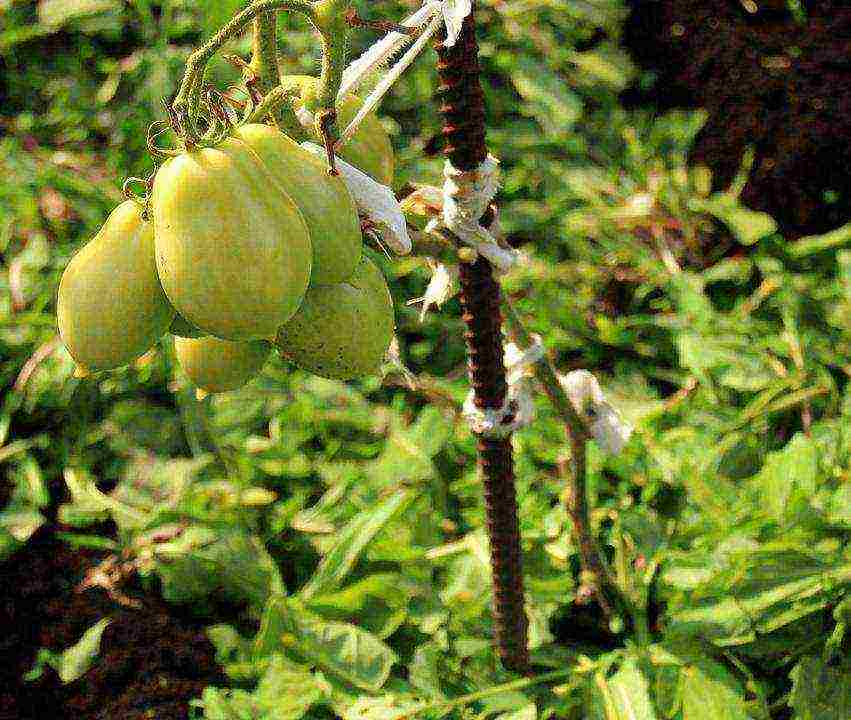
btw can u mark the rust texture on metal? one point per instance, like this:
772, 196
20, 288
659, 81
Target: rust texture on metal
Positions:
462, 108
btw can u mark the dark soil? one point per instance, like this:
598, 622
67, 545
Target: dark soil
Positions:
768, 79
152, 662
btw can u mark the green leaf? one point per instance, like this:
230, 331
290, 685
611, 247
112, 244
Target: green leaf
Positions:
546, 97
820, 691
710, 692
605, 64
842, 616
55, 13
344, 650
818, 243
17, 525
733, 359
74, 662
408, 453
89, 505
352, 541
749, 226
756, 592
788, 479
285, 692
379, 602
626, 695
385, 707
705, 689
202, 561
839, 510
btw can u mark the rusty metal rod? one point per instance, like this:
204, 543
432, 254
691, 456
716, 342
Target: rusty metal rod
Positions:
462, 108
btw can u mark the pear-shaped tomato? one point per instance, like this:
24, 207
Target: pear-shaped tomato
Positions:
342, 331
370, 148
215, 365
111, 308
233, 251
182, 328
324, 201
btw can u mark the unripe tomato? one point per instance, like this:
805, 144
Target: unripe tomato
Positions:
216, 365
370, 148
233, 251
342, 331
111, 308
323, 199
182, 328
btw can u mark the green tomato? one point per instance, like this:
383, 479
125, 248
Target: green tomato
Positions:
215, 365
183, 328
370, 148
111, 308
323, 199
342, 331
232, 249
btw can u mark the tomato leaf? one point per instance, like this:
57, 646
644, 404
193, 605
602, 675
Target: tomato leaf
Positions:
346, 651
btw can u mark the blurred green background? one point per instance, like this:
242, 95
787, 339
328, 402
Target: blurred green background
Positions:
727, 347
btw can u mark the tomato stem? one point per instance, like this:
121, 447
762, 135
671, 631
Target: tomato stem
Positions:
270, 105
328, 17
266, 74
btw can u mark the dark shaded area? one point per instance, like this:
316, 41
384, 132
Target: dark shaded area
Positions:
153, 660
769, 78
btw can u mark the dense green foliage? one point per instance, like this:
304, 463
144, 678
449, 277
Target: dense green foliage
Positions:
348, 517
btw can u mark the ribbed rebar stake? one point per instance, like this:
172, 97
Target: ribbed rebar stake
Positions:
462, 108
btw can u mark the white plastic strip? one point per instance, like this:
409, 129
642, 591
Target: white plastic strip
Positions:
495, 424
387, 81
518, 410
518, 363
605, 425
466, 196
454, 13
374, 200
380, 53
441, 287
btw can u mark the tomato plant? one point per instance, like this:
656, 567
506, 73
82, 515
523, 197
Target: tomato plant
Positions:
346, 541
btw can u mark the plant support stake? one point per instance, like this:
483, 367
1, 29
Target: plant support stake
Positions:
462, 109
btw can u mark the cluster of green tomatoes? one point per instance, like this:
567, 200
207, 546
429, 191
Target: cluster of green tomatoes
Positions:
245, 246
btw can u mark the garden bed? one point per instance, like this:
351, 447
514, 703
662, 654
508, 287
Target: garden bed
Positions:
769, 78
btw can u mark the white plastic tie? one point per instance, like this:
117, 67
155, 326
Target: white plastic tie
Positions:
604, 423
374, 200
454, 13
466, 196
386, 82
518, 362
379, 54
441, 287
431, 16
518, 410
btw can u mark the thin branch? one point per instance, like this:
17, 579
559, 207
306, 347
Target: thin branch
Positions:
266, 76
576, 500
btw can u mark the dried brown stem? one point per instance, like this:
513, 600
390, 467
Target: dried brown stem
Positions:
576, 498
